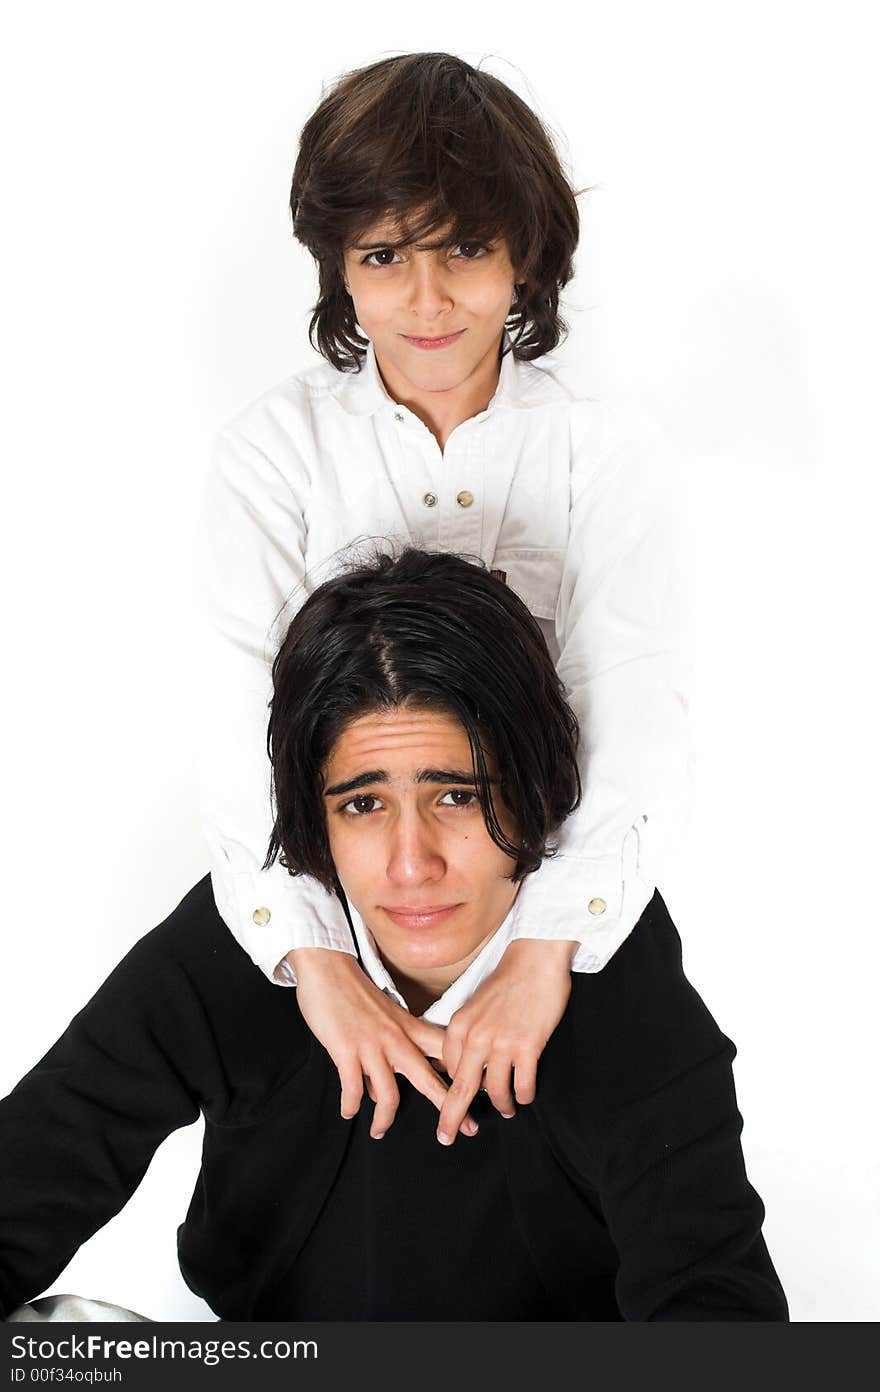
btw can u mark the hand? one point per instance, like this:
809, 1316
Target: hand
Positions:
505, 1025
368, 1035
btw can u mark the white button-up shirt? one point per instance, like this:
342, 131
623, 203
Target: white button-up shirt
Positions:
540, 486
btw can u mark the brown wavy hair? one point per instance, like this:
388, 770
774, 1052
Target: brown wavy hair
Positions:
433, 143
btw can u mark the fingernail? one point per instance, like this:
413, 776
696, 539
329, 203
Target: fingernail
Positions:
443, 1138
377, 1135
508, 1115
470, 1128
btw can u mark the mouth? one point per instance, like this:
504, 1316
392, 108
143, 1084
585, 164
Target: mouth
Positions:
432, 343
410, 916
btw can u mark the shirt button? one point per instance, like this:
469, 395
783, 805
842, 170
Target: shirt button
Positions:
398, 415
430, 500
261, 917
597, 906
464, 498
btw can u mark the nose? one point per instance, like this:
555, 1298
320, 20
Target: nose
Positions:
429, 296
414, 853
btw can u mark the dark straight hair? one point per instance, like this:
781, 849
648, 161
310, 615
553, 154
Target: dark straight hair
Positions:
432, 143
431, 631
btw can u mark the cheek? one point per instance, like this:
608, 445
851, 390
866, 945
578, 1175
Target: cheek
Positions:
348, 853
493, 298
370, 304
482, 863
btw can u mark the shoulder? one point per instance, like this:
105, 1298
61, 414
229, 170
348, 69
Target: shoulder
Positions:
280, 426
543, 381
289, 405
192, 937
625, 457
189, 986
194, 943
610, 429
632, 1028
604, 437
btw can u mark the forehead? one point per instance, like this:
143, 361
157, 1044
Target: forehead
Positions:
401, 742
399, 229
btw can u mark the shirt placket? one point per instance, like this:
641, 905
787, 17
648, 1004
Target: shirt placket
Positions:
448, 514
415, 463
462, 498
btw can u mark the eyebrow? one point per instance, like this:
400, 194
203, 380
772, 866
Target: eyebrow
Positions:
363, 780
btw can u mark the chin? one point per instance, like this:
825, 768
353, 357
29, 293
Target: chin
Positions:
436, 383
421, 955
448, 378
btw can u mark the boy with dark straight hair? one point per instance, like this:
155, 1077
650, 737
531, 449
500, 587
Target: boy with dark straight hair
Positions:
443, 228
424, 758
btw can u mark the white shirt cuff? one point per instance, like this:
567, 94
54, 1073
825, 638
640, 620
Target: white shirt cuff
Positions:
594, 902
270, 915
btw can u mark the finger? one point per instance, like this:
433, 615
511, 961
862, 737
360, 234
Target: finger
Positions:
430, 1039
453, 1048
497, 1084
462, 1091
386, 1096
352, 1080
525, 1078
425, 1080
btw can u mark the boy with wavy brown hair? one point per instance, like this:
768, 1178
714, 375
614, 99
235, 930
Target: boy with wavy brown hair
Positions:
443, 229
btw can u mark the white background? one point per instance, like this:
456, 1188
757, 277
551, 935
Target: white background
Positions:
726, 284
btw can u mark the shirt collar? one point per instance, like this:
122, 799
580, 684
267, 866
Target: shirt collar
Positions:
442, 1010
520, 385
362, 393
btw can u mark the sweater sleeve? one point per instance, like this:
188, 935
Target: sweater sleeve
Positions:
78, 1132
681, 1212
650, 1132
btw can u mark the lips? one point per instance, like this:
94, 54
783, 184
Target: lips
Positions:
433, 342
424, 916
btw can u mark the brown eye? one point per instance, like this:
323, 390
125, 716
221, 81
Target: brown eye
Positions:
360, 806
470, 251
460, 797
384, 257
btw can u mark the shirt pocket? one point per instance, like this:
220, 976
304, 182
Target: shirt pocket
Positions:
534, 574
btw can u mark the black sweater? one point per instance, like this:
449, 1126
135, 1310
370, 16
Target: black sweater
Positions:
619, 1193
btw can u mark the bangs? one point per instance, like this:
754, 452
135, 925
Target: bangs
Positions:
431, 224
